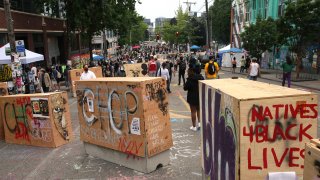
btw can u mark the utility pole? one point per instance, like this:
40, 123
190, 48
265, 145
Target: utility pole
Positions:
208, 26
10, 28
189, 6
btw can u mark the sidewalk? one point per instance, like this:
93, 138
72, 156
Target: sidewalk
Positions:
274, 75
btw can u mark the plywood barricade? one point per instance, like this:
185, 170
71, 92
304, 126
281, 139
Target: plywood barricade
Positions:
3, 92
75, 75
136, 70
127, 115
37, 119
312, 160
251, 128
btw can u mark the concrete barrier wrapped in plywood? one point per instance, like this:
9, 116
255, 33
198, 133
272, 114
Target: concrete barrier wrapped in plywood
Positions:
37, 119
127, 118
3, 92
75, 75
312, 160
251, 128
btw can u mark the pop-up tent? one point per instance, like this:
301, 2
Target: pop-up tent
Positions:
29, 58
226, 54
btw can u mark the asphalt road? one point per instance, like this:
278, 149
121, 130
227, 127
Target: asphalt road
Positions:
71, 162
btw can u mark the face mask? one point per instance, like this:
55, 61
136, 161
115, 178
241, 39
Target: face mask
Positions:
86, 69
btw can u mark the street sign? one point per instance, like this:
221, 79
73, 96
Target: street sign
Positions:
20, 48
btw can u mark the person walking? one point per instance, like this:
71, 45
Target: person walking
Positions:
211, 69
182, 70
287, 69
254, 70
164, 73
248, 62
192, 86
243, 64
87, 74
45, 81
234, 65
152, 67
55, 77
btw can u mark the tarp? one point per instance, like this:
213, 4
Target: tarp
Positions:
194, 47
97, 57
30, 56
229, 49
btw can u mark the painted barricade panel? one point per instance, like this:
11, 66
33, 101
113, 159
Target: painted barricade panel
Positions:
113, 113
273, 134
157, 118
219, 114
37, 119
133, 70
3, 92
75, 75
252, 128
312, 160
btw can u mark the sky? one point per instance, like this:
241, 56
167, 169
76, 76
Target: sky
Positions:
151, 9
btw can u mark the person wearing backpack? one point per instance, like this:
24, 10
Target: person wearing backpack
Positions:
182, 70
164, 73
152, 67
56, 77
211, 69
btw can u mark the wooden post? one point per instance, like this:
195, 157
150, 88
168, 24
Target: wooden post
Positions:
9, 21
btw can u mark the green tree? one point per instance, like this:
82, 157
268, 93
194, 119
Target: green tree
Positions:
260, 37
135, 34
221, 19
299, 27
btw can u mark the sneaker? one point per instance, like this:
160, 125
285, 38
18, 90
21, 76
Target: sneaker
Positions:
193, 128
199, 124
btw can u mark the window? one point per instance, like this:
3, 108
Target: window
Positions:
241, 12
247, 6
266, 3
280, 8
254, 5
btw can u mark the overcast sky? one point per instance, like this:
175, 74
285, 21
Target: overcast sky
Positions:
151, 9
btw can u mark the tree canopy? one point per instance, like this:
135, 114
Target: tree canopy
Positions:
220, 18
260, 37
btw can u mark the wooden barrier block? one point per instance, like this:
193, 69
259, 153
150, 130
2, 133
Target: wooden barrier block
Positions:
3, 92
37, 119
134, 70
75, 75
312, 160
127, 115
251, 128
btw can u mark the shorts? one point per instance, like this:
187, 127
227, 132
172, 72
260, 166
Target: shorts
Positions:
234, 65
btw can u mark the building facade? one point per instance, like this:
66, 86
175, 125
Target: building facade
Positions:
111, 40
245, 12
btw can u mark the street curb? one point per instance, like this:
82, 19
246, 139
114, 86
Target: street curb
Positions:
302, 86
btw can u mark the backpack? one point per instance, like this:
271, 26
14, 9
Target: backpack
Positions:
153, 66
183, 66
211, 68
58, 74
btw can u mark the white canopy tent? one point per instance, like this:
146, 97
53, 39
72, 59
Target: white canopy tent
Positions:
225, 48
30, 56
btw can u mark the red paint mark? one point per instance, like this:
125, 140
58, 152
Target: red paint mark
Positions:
276, 160
22, 132
302, 110
129, 147
23, 101
293, 154
250, 166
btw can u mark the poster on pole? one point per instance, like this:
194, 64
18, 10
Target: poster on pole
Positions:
20, 48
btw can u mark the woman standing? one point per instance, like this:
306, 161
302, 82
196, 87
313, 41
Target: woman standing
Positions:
45, 80
287, 69
192, 86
